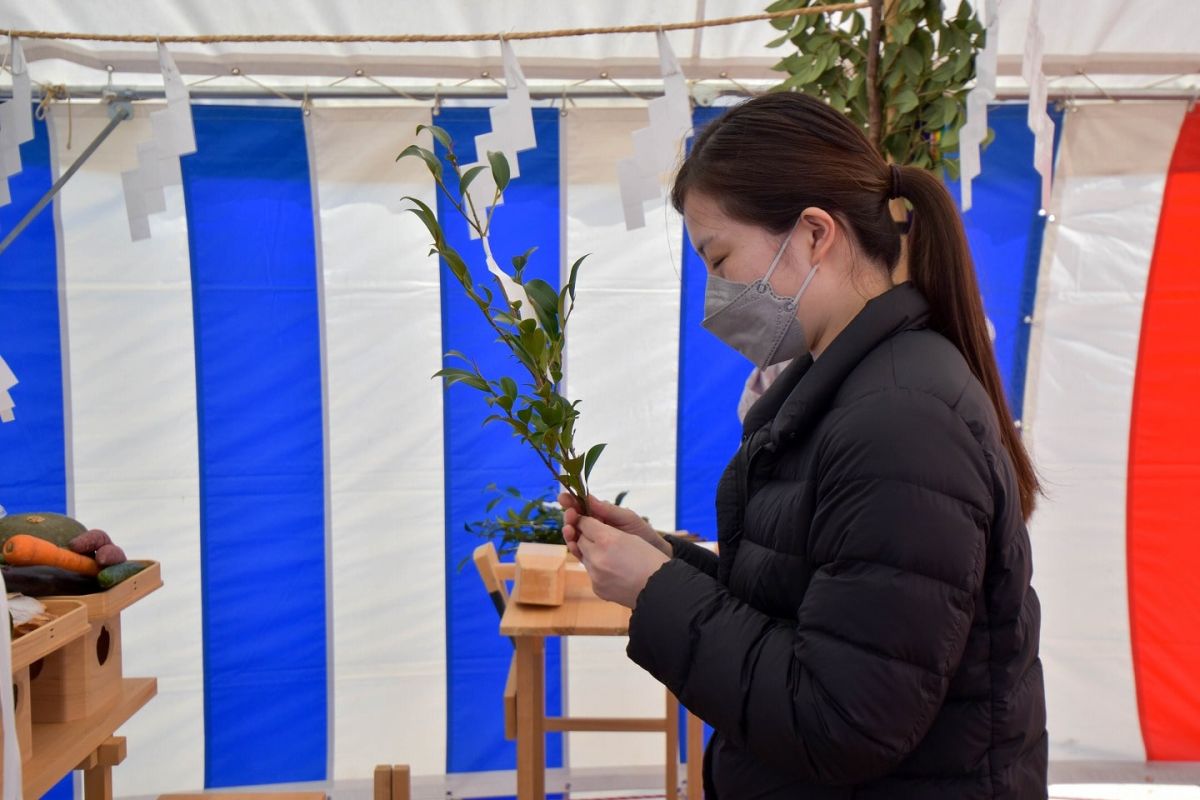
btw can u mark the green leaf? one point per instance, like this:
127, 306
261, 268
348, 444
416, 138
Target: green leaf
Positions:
777, 42
857, 24
440, 134
545, 304
905, 100
903, 30
941, 113
453, 376
574, 273
499, 169
589, 460
856, 84
457, 266
783, 5
426, 215
431, 161
508, 387
525, 414
519, 262
469, 176
912, 63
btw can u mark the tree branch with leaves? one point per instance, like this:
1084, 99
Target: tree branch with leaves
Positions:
901, 72
535, 335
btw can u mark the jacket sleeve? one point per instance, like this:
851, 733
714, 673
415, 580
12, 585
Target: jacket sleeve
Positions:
843, 691
702, 559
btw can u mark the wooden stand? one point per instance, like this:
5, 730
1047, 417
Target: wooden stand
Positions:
75, 694
541, 574
84, 678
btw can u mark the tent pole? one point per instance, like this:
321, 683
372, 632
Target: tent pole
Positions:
119, 112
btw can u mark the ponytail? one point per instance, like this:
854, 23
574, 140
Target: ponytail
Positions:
940, 265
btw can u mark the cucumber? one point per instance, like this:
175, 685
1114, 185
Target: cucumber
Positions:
111, 576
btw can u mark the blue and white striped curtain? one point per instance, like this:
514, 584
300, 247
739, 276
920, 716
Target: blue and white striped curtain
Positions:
246, 397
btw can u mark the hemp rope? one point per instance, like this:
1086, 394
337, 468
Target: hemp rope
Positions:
423, 38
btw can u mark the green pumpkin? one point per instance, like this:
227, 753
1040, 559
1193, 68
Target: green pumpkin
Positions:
47, 525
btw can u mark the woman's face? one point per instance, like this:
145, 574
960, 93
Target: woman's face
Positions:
739, 252
742, 253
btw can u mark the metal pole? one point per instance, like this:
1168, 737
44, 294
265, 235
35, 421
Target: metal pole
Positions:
120, 113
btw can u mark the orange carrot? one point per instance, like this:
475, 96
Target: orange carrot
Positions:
23, 550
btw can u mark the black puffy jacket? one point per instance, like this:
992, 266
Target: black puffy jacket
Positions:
869, 630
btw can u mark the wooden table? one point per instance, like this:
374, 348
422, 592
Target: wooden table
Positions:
581, 614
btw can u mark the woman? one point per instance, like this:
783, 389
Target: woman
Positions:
869, 630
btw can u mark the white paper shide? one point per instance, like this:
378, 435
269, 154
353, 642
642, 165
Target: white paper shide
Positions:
656, 148
16, 119
172, 136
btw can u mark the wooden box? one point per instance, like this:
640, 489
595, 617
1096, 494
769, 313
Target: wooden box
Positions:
541, 574
84, 677
69, 625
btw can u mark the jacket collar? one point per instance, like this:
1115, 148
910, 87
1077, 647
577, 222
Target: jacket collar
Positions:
803, 392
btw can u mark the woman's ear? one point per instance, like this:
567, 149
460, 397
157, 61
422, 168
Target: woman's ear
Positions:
821, 232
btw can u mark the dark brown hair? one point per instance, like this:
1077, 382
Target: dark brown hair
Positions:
769, 158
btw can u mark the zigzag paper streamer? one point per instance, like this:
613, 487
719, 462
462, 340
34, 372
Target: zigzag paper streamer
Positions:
512, 131
1039, 121
974, 130
7, 381
656, 148
173, 135
16, 119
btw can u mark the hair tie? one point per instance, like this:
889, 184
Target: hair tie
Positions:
895, 183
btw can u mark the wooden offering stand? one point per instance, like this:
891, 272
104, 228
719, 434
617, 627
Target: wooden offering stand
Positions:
77, 694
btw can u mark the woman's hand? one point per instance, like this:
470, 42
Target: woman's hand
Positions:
623, 519
618, 564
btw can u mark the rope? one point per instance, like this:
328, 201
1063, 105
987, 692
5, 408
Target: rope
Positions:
50, 93
430, 37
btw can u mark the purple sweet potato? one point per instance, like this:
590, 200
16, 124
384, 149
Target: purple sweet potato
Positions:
90, 541
109, 555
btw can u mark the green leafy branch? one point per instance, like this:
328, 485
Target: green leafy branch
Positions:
922, 61
536, 335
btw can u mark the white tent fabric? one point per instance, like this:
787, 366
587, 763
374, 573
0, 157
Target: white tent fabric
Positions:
1084, 347
1120, 43
133, 430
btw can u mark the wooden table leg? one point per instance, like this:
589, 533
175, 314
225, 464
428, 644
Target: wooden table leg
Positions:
672, 747
97, 775
531, 718
695, 761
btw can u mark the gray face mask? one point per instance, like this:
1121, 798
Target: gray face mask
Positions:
752, 319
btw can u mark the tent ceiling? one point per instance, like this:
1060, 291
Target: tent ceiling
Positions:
1119, 44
